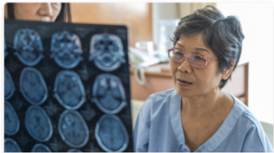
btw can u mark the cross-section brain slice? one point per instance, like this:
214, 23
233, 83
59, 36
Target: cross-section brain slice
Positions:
40, 148
69, 90
106, 50
111, 133
108, 93
28, 46
38, 123
66, 49
33, 86
11, 146
11, 120
73, 129
9, 86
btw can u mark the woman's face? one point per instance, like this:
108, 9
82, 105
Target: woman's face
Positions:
199, 81
37, 11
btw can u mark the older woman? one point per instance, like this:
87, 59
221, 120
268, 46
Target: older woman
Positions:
197, 115
48, 12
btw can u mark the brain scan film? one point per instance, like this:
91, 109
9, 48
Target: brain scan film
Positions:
33, 86
111, 134
106, 50
5, 46
66, 49
73, 129
38, 123
40, 148
11, 120
74, 150
28, 46
9, 86
69, 90
11, 146
108, 93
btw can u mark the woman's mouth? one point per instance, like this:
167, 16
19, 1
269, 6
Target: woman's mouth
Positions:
183, 82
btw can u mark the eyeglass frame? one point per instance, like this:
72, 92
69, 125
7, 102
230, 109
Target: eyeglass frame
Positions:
187, 55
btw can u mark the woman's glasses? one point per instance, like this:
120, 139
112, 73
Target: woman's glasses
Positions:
195, 59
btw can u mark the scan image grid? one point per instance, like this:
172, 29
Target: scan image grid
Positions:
66, 90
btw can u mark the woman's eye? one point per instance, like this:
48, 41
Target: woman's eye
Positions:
178, 53
197, 57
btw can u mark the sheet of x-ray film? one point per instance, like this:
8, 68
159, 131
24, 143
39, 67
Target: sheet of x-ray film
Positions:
66, 88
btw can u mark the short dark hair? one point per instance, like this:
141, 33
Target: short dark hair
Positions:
222, 35
63, 16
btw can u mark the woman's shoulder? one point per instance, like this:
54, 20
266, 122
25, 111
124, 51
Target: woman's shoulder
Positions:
157, 100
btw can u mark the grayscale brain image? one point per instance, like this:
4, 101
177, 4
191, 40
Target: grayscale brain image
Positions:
111, 133
28, 46
106, 51
40, 148
66, 49
11, 146
69, 89
33, 86
73, 129
9, 86
38, 123
108, 93
66, 88
11, 120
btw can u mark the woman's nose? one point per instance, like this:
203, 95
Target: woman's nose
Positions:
185, 66
45, 9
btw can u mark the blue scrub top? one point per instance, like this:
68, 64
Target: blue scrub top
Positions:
158, 128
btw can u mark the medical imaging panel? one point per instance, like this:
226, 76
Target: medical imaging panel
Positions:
28, 46
109, 93
9, 86
69, 89
40, 148
111, 133
73, 129
106, 50
11, 146
66, 49
38, 123
11, 120
66, 88
33, 86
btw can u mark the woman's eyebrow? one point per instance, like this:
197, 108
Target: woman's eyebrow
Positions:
182, 46
201, 49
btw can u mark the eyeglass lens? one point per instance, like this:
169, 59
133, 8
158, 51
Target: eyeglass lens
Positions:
196, 60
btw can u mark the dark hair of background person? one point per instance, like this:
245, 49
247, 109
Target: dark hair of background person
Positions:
63, 16
222, 35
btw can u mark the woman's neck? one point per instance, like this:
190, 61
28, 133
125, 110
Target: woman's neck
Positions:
201, 107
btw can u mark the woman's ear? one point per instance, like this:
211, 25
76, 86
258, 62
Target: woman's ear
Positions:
228, 72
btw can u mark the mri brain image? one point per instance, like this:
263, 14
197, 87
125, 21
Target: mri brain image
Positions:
33, 86
66, 49
38, 123
108, 93
74, 150
111, 133
40, 148
73, 129
106, 50
69, 90
11, 146
28, 46
11, 120
9, 86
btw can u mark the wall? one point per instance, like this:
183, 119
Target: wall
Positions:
136, 16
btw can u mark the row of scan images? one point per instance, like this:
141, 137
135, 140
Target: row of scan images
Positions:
106, 50
110, 132
108, 91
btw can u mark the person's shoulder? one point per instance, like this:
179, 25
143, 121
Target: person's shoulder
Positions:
157, 99
251, 126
